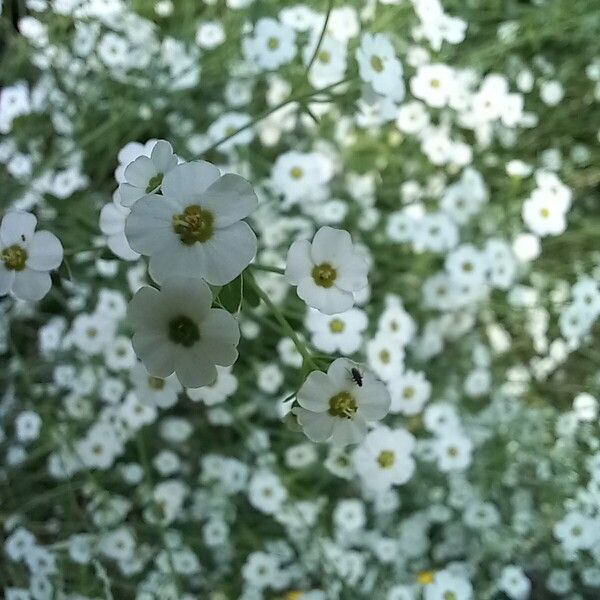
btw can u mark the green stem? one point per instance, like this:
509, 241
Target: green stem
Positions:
287, 328
269, 111
267, 268
321, 36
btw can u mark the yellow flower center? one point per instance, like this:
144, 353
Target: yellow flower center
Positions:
435, 83
183, 331
273, 43
545, 213
408, 392
449, 596
14, 257
296, 172
386, 459
193, 225
425, 577
342, 405
385, 356
156, 383
336, 326
376, 63
324, 275
324, 56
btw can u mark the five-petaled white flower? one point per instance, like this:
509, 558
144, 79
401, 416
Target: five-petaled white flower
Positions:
327, 271
195, 228
176, 330
384, 458
333, 406
26, 256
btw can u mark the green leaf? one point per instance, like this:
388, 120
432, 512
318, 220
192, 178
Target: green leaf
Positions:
250, 296
230, 295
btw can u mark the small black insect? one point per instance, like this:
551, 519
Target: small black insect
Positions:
356, 376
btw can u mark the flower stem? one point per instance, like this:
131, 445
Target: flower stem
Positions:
292, 98
268, 268
321, 36
286, 327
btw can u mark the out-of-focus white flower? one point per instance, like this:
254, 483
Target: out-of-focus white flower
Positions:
327, 270
384, 458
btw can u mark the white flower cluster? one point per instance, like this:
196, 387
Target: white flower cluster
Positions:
335, 339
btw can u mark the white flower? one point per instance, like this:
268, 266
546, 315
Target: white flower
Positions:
210, 34
155, 391
266, 492
384, 458
26, 256
447, 586
577, 532
271, 45
176, 330
379, 66
410, 391
329, 65
453, 451
195, 229
340, 332
433, 84
145, 174
334, 406
327, 270
224, 386
302, 176
112, 225
543, 214
514, 583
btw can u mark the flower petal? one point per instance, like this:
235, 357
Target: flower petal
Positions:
149, 225
112, 218
155, 352
162, 156
190, 295
45, 252
373, 400
173, 258
316, 391
194, 372
331, 245
7, 279
140, 171
318, 427
230, 199
340, 372
221, 327
348, 431
31, 285
352, 276
328, 300
17, 227
188, 181
299, 262
145, 310
228, 253
129, 194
